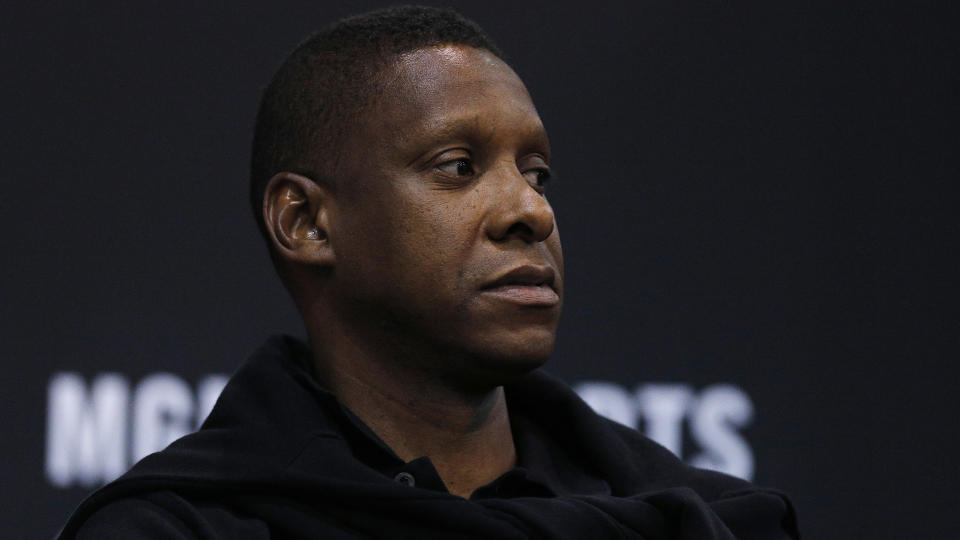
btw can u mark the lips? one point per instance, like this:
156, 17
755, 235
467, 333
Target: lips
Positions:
527, 275
527, 285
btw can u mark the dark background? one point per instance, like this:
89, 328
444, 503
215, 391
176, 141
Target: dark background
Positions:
758, 194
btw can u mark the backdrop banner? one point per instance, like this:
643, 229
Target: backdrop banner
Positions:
755, 200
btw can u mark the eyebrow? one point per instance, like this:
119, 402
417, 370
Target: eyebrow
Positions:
467, 127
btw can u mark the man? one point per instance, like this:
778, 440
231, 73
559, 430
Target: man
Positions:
399, 173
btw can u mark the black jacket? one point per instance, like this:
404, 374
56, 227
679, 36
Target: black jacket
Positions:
279, 457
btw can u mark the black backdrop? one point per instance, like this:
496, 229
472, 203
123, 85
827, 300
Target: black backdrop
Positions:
755, 195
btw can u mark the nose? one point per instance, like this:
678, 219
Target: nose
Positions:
519, 211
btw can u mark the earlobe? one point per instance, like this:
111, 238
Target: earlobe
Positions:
296, 215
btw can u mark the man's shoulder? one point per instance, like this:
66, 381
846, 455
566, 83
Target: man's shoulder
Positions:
165, 515
628, 460
643, 476
153, 515
261, 422
660, 468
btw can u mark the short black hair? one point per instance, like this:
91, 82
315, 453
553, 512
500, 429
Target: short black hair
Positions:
329, 78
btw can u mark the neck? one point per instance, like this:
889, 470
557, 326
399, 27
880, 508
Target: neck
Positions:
464, 431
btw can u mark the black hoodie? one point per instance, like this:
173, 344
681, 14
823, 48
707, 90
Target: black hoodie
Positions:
280, 457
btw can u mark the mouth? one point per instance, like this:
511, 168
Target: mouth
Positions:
527, 285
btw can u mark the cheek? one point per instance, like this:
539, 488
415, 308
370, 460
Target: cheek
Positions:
431, 239
438, 239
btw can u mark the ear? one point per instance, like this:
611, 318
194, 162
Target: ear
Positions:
296, 212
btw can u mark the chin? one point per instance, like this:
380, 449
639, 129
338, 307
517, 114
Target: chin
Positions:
500, 362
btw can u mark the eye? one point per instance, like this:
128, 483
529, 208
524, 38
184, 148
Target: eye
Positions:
539, 178
457, 167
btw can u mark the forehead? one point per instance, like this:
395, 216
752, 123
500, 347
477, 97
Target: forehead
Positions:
438, 72
438, 90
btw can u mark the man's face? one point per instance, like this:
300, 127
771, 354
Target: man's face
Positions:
443, 233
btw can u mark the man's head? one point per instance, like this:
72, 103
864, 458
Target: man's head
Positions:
324, 85
415, 216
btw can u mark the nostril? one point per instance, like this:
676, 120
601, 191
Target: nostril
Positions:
520, 229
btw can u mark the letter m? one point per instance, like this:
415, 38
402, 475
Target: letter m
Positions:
86, 432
